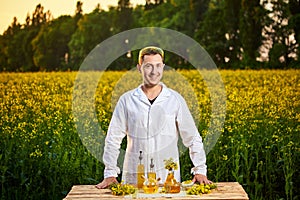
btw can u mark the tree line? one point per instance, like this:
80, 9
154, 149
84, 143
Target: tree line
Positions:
238, 34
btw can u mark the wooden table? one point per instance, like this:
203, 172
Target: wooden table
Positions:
225, 190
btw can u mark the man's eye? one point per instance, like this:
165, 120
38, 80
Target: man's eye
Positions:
148, 66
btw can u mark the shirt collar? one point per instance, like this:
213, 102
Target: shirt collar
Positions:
165, 93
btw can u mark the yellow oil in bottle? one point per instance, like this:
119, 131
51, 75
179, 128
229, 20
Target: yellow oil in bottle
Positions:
140, 175
171, 185
140, 172
150, 189
152, 175
150, 186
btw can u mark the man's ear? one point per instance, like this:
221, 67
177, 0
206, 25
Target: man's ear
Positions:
138, 66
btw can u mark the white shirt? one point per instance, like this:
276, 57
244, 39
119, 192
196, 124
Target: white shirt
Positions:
154, 130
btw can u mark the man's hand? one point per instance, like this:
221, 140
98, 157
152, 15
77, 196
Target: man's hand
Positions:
201, 179
106, 182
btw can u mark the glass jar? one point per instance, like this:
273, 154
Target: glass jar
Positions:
171, 185
150, 186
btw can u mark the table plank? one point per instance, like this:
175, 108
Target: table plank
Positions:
224, 191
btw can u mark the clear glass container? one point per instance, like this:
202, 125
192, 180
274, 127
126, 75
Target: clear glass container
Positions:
171, 185
150, 186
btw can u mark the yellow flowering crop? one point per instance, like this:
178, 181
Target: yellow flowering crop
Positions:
259, 145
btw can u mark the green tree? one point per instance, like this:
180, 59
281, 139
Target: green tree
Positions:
232, 10
92, 29
196, 10
278, 32
3, 56
12, 52
78, 11
294, 22
211, 33
251, 25
31, 28
17, 38
123, 19
39, 16
16, 54
172, 15
27, 49
150, 4
51, 44
180, 15
219, 33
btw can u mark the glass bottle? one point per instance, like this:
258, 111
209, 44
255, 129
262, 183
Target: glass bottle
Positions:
140, 172
151, 173
171, 185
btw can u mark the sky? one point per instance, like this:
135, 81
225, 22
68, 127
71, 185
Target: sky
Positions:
19, 8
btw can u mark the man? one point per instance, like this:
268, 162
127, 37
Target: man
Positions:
152, 117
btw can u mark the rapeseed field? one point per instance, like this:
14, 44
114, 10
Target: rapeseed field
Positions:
42, 154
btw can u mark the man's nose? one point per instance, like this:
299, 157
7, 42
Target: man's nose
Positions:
154, 70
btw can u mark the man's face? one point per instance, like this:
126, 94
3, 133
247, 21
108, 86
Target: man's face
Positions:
152, 69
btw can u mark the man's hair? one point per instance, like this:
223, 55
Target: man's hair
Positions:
151, 50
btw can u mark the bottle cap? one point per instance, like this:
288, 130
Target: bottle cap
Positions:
151, 164
141, 157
